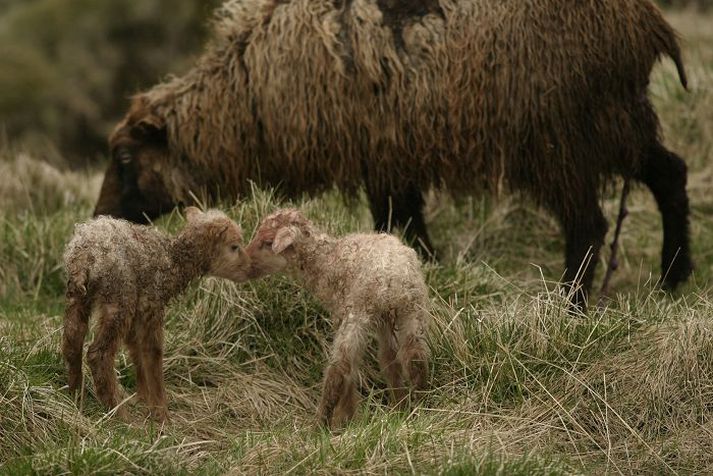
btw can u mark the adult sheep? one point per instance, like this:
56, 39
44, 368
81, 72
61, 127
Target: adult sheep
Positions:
548, 97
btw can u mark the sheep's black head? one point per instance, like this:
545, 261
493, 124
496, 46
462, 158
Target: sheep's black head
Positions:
134, 187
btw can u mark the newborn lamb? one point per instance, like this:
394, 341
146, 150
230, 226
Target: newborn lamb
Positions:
371, 283
126, 274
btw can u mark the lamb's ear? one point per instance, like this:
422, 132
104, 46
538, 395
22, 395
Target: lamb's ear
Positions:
192, 213
285, 238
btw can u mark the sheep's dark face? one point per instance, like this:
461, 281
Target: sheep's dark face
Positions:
134, 185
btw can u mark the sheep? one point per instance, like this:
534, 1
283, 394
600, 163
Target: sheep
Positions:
370, 283
400, 96
126, 274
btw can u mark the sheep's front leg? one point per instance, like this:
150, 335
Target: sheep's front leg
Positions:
339, 399
401, 209
152, 347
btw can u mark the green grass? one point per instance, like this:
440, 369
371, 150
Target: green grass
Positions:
518, 386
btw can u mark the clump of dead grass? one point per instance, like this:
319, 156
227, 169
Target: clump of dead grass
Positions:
32, 184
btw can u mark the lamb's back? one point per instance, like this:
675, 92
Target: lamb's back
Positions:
109, 252
376, 269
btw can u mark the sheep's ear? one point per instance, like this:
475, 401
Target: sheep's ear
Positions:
284, 239
192, 213
151, 121
145, 122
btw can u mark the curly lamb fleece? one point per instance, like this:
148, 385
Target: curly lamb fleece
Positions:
371, 284
127, 274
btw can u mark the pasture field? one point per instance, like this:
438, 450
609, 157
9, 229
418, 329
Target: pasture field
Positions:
518, 386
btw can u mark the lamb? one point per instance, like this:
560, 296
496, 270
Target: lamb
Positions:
126, 274
370, 283
545, 97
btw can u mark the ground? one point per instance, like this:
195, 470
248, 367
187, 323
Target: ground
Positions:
518, 385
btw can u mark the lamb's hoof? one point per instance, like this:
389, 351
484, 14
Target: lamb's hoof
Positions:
323, 422
122, 414
76, 394
160, 415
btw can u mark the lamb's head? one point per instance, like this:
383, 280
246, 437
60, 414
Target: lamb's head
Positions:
134, 187
218, 239
275, 240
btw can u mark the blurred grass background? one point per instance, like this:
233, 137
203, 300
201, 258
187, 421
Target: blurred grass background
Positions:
69, 66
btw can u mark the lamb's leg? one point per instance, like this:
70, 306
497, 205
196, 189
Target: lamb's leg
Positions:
133, 342
413, 350
665, 174
153, 365
348, 403
390, 365
403, 210
339, 398
101, 358
584, 227
76, 322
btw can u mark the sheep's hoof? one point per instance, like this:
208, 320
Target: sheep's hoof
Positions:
678, 274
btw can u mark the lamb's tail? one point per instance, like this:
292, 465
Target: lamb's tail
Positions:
77, 283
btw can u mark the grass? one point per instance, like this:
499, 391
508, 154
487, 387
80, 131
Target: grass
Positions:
518, 386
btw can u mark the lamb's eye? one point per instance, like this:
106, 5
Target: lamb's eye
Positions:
266, 244
235, 247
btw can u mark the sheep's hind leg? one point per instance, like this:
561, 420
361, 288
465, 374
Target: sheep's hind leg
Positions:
402, 210
101, 355
665, 174
390, 365
76, 323
339, 399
